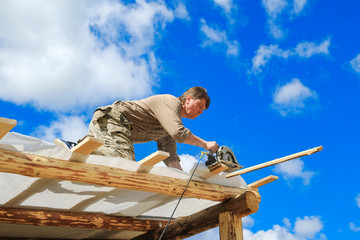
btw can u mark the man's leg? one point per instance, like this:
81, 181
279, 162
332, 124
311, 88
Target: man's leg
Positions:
107, 125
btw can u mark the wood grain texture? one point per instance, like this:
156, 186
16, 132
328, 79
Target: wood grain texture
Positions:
51, 168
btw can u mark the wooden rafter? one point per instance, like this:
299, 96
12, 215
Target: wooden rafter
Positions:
51, 168
241, 206
76, 219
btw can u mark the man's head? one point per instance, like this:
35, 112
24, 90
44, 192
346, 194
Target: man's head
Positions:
194, 101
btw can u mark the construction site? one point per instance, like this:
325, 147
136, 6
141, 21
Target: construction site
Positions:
50, 192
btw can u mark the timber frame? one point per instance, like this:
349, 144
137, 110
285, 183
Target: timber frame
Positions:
234, 203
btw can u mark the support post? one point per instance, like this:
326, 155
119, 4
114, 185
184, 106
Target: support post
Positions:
230, 226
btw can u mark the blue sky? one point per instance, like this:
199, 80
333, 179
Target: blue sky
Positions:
283, 77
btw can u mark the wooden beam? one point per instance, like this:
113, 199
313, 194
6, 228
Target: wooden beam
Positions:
230, 226
6, 125
76, 220
51, 168
262, 182
276, 161
243, 205
154, 158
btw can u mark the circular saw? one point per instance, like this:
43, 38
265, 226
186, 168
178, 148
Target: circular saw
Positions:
223, 156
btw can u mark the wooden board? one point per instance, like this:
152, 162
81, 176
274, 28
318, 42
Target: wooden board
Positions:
88, 145
6, 125
276, 161
262, 182
154, 158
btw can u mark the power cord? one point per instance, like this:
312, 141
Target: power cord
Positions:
162, 234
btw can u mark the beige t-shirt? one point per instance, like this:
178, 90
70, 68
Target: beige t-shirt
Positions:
154, 118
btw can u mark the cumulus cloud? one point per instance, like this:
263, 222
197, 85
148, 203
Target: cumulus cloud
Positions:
291, 97
294, 169
306, 228
219, 38
355, 64
71, 128
57, 55
303, 50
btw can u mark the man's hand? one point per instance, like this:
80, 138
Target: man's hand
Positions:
212, 146
196, 141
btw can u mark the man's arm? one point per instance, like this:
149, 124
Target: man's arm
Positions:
196, 141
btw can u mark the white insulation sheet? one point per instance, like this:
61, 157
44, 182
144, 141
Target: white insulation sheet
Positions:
17, 191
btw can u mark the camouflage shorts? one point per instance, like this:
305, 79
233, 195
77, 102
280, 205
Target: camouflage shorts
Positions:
109, 124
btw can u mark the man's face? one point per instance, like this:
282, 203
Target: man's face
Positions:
194, 107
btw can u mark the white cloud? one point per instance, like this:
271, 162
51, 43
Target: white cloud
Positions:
307, 228
299, 6
355, 64
60, 54
276, 9
291, 97
303, 50
264, 54
248, 222
358, 200
225, 4
308, 49
214, 36
70, 128
294, 169
354, 228
181, 12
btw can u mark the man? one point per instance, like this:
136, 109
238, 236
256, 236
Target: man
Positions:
157, 118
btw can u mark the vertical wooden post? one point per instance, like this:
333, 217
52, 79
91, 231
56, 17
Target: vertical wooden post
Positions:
230, 226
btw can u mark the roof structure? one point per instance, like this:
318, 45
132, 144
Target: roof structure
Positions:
47, 191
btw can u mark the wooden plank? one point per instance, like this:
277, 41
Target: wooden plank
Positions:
243, 205
263, 181
51, 168
88, 145
6, 125
219, 169
76, 220
276, 161
230, 226
154, 158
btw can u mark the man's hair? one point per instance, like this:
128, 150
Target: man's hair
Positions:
196, 93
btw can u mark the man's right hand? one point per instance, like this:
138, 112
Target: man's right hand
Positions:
212, 146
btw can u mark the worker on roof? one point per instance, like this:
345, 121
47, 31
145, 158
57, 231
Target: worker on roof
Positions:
157, 118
